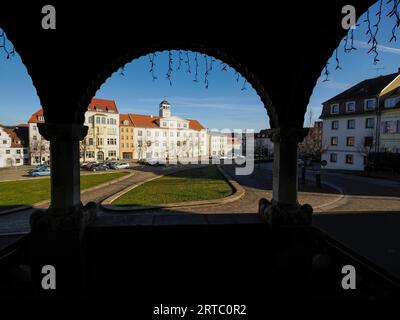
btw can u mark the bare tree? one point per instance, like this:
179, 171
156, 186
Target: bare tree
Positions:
312, 147
83, 148
39, 148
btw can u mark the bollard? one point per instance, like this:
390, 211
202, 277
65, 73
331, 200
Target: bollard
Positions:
318, 180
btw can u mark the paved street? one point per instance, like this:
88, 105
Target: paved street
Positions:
364, 218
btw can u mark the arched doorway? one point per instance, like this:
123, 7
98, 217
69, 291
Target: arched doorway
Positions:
100, 156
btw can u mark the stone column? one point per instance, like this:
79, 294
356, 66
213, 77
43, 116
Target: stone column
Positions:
290, 233
284, 207
64, 156
57, 234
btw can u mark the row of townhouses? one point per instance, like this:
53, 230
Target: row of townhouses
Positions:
112, 135
361, 120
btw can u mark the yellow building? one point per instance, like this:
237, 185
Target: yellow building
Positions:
126, 141
390, 123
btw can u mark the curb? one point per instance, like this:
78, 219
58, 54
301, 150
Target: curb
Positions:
238, 192
44, 202
339, 198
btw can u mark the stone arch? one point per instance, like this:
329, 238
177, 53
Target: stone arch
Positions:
247, 74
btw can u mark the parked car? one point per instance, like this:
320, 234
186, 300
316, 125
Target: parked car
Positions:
155, 162
39, 167
42, 165
99, 167
87, 165
40, 172
120, 165
112, 164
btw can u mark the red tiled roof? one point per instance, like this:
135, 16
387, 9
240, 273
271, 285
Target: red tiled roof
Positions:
144, 121
123, 118
195, 125
35, 117
96, 104
22, 125
15, 140
103, 104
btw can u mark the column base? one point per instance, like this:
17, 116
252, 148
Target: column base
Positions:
274, 214
53, 219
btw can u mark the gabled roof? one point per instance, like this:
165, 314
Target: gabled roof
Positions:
366, 88
15, 140
123, 118
35, 117
103, 105
144, 121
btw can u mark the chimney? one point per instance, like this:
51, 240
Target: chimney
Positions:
151, 116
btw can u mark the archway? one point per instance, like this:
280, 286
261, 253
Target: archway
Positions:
355, 103
100, 156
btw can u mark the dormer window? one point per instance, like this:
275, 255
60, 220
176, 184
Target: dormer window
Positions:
41, 118
350, 106
126, 122
369, 104
335, 108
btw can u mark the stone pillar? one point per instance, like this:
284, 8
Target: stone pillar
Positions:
64, 156
284, 208
57, 234
290, 232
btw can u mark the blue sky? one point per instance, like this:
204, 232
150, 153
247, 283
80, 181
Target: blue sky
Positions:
224, 104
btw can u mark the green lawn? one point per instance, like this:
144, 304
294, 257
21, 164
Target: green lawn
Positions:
28, 192
190, 185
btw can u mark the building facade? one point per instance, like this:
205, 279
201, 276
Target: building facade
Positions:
263, 146
164, 136
218, 145
39, 148
389, 135
356, 123
126, 134
101, 142
12, 151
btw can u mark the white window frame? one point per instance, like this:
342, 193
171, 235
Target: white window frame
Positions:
347, 106
334, 105
366, 104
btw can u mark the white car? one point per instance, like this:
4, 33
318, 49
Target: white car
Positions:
121, 165
155, 162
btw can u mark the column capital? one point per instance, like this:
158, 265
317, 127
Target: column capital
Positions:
61, 131
284, 134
